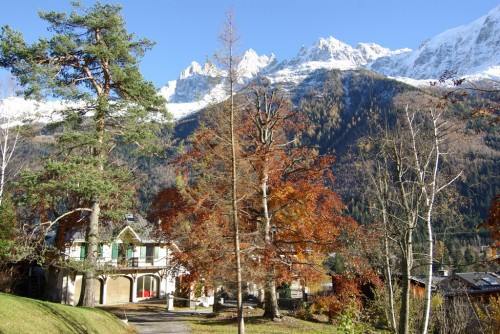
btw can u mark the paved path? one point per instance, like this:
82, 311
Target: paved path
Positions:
150, 317
159, 322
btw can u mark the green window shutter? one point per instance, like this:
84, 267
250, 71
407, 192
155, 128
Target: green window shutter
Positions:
142, 252
157, 252
83, 251
99, 249
130, 251
114, 251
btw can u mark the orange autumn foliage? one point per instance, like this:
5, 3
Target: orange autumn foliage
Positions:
307, 216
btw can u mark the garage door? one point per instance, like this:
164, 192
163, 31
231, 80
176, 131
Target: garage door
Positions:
118, 290
78, 289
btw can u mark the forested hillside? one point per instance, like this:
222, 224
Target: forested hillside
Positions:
344, 107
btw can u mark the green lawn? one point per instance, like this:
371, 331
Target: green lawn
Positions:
23, 315
256, 325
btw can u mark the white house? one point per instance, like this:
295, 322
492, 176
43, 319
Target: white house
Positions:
134, 264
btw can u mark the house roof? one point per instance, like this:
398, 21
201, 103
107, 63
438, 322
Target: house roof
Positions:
141, 230
422, 280
483, 281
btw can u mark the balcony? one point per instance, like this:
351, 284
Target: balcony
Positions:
136, 262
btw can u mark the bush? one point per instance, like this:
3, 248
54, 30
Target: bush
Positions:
489, 314
7, 226
304, 312
347, 322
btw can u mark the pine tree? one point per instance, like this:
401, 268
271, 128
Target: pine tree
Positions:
92, 63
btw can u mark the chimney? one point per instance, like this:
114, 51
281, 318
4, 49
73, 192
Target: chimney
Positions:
443, 272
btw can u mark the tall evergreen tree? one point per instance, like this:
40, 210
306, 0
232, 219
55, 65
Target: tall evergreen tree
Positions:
92, 63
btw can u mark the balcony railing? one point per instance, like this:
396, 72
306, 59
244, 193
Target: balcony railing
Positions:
131, 262
139, 262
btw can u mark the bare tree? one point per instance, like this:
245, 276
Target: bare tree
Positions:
380, 179
427, 169
9, 137
229, 60
406, 176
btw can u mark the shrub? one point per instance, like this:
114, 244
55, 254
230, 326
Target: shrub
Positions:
489, 314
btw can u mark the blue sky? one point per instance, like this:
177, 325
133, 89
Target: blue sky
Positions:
187, 30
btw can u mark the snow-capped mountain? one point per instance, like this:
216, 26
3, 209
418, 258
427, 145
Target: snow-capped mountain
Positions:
252, 64
198, 85
468, 50
328, 53
16, 111
471, 50
332, 53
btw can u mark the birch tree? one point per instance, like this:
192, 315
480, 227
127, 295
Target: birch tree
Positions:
406, 175
380, 180
427, 167
9, 137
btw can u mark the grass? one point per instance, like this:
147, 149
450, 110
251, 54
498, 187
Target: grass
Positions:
201, 321
23, 315
256, 324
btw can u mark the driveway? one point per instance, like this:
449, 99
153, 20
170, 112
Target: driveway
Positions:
159, 322
152, 318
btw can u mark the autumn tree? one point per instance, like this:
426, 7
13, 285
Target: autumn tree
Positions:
269, 114
299, 218
491, 222
290, 218
91, 63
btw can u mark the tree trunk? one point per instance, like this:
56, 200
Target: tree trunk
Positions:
428, 283
388, 272
88, 287
6, 154
430, 206
234, 206
407, 261
271, 310
234, 209
3, 166
87, 296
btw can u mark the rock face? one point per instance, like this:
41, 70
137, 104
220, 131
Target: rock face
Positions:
471, 50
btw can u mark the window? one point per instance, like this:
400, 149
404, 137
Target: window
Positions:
150, 252
147, 287
100, 250
114, 251
83, 251
130, 251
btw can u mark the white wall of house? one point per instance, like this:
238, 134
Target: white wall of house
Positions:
152, 256
73, 251
68, 291
70, 294
160, 260
106, 251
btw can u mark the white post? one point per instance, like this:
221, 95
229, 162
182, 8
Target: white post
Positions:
170, 302
134, 289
